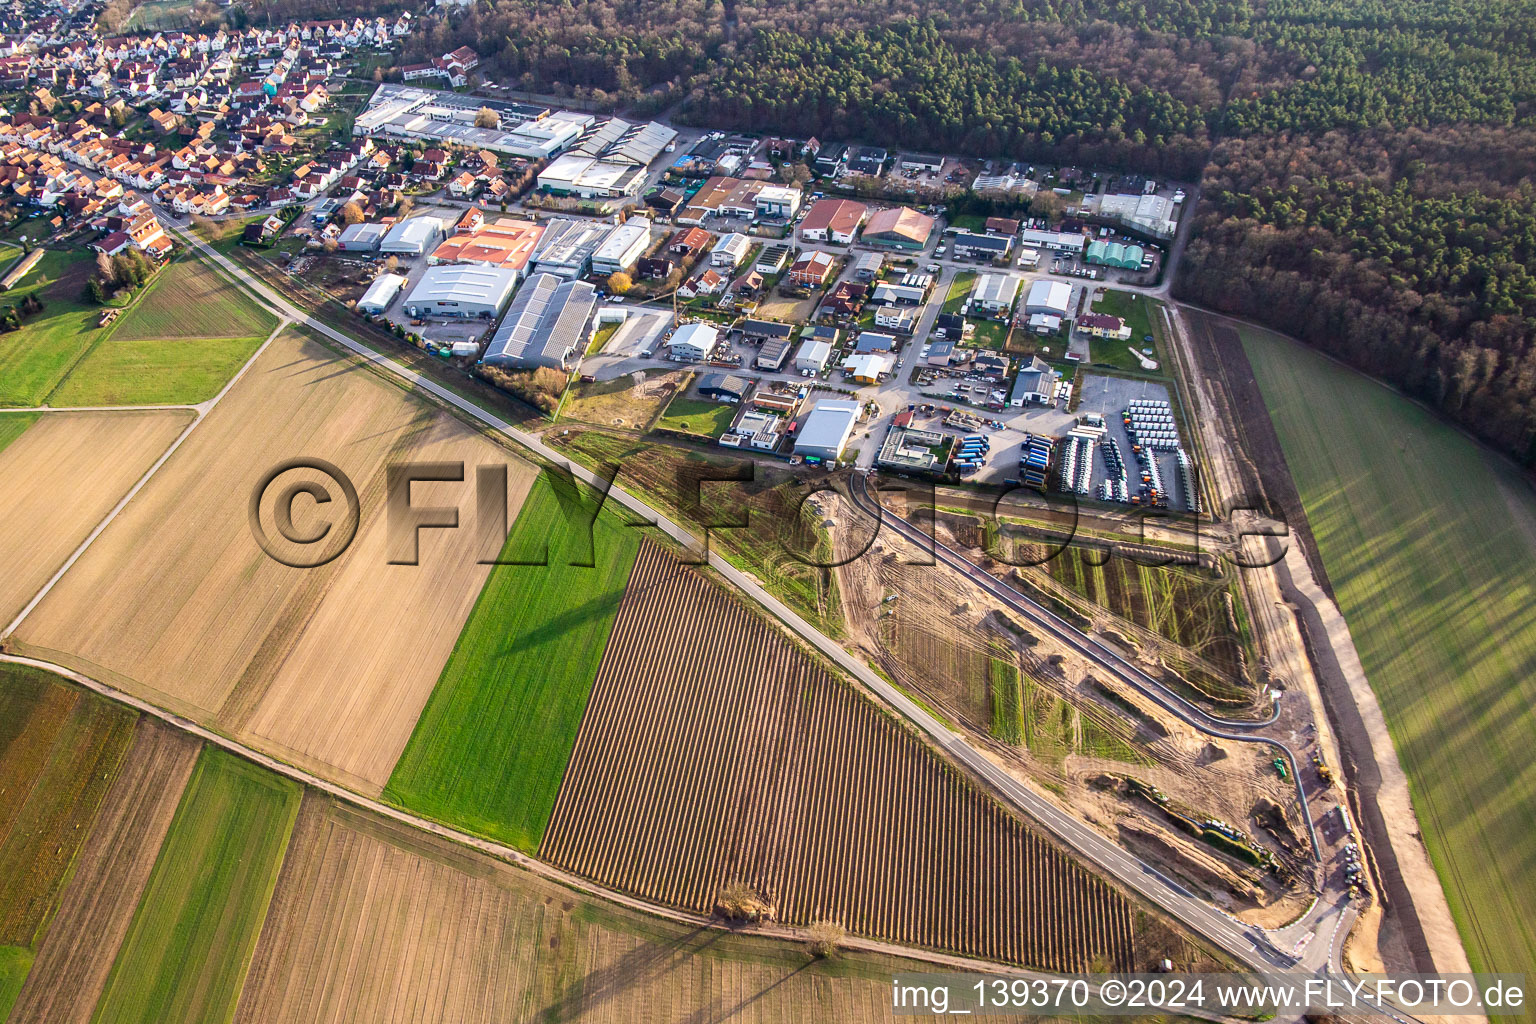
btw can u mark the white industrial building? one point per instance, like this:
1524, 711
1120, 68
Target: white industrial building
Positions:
827, 428
546, 325
609, 160
813, 355
780, 202
1152, 213
567, 247
692, 343
1056, 241
1049, 298
414, 237
380, 294
624, 245
434, 115
462, 290
994, 293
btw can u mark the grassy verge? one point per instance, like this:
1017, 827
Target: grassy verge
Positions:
959, 291
491, 748
1429, 541
186, 952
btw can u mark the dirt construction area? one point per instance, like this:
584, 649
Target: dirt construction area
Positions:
59, 479
717, 758
330, 666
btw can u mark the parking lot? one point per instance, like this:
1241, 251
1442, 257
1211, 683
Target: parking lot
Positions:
641, 331
1109, 396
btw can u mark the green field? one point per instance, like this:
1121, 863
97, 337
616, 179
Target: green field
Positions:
34, 359
186, 952
698, 417
60, 749
190, 299
489, 751
14, 424
150, 372
1430, 543
1007, 701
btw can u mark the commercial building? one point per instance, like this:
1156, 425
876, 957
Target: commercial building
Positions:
772, 259
899, 227
623, 246
414, 237
826, 429
867, 265
982, 247
868, 367
874, 341
813, 355
506, 242
1071, 243
576, 174
767, 330
1051, 298
1034, 385
1150, 213
907, 448
380, 294
438, 116
772, 354
994, 293
567, 247
362, 237
546, 325
724, 387
730, 250
899, 294
778, 202
692, 343
723, 197
833, 220
461, 291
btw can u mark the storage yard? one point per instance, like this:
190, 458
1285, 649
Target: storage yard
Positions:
703, 771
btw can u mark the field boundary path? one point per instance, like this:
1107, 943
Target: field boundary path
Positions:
1248, 944
201, 411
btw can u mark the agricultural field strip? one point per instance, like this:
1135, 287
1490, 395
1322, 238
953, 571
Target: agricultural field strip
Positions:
486, 846
1203, 918
701, 776
202, 413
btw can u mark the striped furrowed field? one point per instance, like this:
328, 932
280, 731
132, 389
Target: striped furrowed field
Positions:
185, 955
191, 299
491, 747
373, 923
110, 873
59, 751
716, 754
1430, 544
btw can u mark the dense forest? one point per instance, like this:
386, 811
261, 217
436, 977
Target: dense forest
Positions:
1365, 165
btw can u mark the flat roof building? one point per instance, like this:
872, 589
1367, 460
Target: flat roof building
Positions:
827, 428
994, 293
567, 247
461, 291
545, 325
813, 355
362, 237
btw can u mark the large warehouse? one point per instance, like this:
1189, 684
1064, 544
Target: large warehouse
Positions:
826, 429
380, 293
1049, 297
544, 326
900, 227
461, 291
413, 237
624, 245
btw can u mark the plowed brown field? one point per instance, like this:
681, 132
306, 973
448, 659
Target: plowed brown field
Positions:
714, 751
71, 967
326, 667
57, 481
375, 923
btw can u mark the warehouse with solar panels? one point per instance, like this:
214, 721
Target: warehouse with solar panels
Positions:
546, 325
